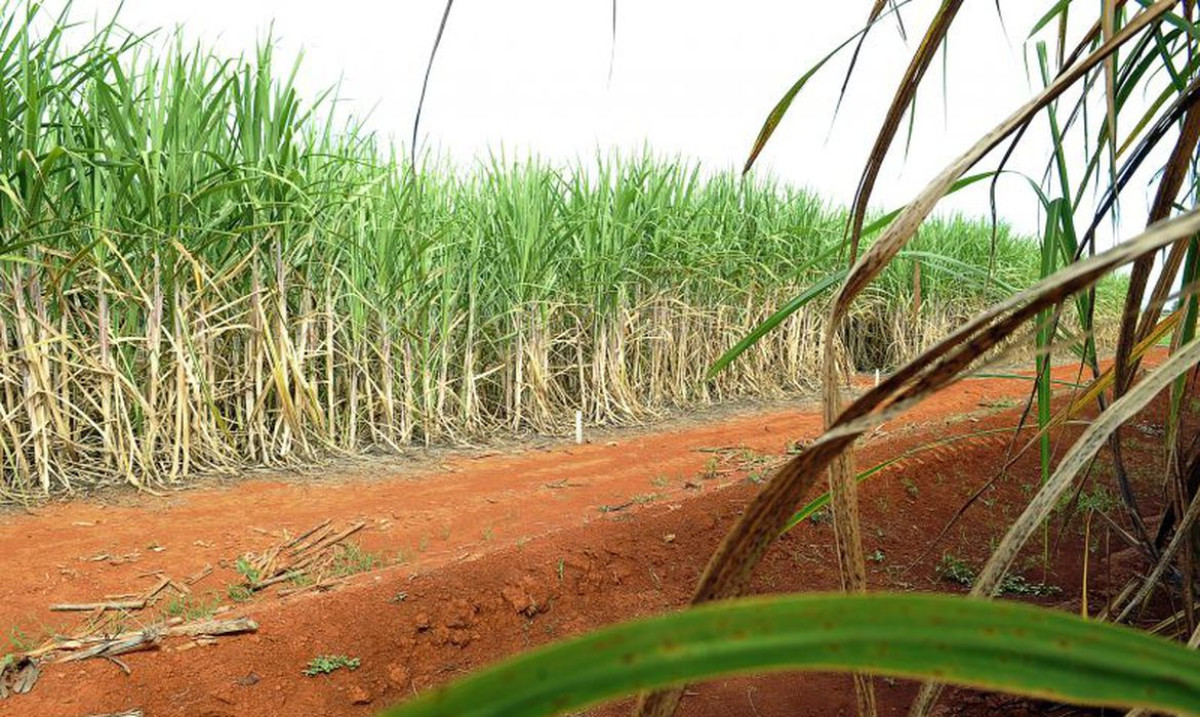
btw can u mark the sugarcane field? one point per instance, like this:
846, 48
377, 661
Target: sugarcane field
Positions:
538, 358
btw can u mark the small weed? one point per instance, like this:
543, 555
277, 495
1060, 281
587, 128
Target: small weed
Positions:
521, 542
489, 534
399, 597
911, 488
562, 568
1033, 562
797, 446
660, 481
1099, 500
325, 664
956, 570
246, 570
757, 465
114, 624
239, 593
190, 608
645, 498
711, 468
423, 546
1001, 403
877, 556
352, 559
402, 557
1018, 585
20, 640
820, 516
750, 457
301, 580
755, 477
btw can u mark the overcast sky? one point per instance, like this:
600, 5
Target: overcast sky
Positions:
693, 78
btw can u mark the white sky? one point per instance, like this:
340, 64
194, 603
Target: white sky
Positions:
693, 78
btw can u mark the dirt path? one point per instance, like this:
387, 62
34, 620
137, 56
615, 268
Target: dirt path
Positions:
486, 557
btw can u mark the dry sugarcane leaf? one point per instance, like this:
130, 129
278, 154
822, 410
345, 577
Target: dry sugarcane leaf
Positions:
843, 487
98, 606
130, 642
987, 583
905, 225
1101, 383
199, 575
905, 95
1174, 174
26, 678
1108, 14
1183, 533
18, 675
1088, 444
214, 628
735, 560
303, 536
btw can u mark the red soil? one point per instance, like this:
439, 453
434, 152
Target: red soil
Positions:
478, 543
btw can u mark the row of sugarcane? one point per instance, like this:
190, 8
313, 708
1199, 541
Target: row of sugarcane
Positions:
201, 271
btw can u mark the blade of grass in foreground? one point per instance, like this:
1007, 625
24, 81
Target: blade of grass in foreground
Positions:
998, 645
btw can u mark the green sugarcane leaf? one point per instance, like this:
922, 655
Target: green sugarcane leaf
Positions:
791, 307
994, 645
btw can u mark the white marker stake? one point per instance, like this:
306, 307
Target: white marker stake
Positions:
876, 377
579, 426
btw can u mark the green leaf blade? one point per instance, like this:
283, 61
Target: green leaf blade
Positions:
995, 645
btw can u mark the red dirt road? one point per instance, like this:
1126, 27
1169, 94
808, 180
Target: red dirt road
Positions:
496, 554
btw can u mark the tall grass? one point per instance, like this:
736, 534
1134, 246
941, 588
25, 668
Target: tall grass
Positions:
203, 270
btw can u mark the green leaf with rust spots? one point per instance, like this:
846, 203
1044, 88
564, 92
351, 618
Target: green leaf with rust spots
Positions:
994, 645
